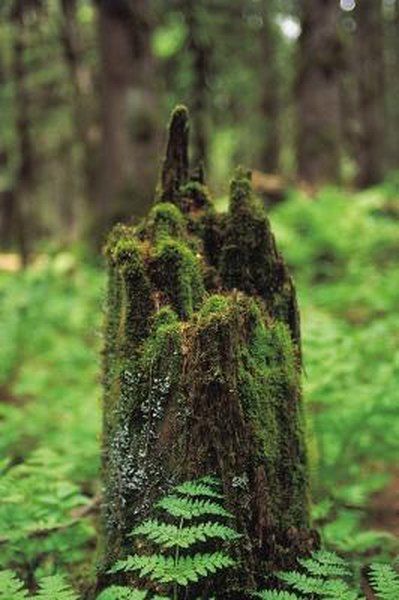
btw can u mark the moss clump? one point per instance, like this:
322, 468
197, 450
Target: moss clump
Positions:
201, 370
165, 219
176, 273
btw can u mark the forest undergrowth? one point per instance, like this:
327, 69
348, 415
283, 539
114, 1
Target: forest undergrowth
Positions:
341, 248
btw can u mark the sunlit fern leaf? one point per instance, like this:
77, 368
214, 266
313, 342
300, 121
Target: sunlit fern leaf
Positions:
118, 592
195, 489
172, 535
385, 581
166, 569
188, 508
11, 587
276, 595
55, 587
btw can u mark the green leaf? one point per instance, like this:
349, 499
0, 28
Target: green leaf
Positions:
187, 508
11, 588
183, 537
385, 581
118, 592
182, 571
55, 587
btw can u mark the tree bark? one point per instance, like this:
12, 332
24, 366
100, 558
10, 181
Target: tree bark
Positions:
270, 105
200, 52
129, 110
320, 57
22, 195
370, 69
82, 98
202, 370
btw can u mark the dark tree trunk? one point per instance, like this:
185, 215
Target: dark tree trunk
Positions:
392, 87
200, 55
370, 69
320, 58
82, 88
23, 191
270, 104
129, 110
202, 372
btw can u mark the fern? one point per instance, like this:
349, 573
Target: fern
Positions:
117, 592
188, 501
385, 581
187, 508
275, 595
168, 569
324, 577
55, 587
183, 537
192, 488
50, 588
11, 587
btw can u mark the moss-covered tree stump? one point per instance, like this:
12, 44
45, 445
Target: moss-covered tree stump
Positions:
202, 370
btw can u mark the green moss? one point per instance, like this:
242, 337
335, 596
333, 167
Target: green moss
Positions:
194, 196
249, 261
177, 274
165, 219
271, 392
215, 304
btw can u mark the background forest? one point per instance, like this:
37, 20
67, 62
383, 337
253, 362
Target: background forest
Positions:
302, 92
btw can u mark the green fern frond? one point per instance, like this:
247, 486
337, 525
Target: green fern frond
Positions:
195, 489
333, 589
210, 480
329, 558
166, 569
55, 587
118, 592
11, 587
187, 508
183, 537
275, 595
385, 581
319, 569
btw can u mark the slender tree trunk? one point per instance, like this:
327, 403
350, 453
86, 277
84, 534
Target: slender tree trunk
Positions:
129, 110
200, 55
320, 56
270, 105
202, 370
82, 88
392, 87
370, 69
23, 192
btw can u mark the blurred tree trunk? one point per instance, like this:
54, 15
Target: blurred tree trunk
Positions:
320, 57
269, 109
349, 96
199, 50
392, 86
82, 87
129, 110
370, 70
25, 173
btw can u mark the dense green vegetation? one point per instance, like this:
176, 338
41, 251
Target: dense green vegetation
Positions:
342, 249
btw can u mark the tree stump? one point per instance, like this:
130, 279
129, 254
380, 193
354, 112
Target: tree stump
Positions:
202, 366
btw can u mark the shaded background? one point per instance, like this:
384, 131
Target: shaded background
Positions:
303, 92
